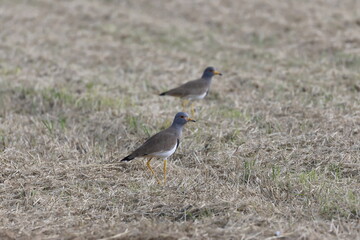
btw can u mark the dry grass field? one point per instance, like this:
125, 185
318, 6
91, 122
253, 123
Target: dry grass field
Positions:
275, 151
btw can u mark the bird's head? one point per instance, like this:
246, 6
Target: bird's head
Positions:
209, 72
182, 118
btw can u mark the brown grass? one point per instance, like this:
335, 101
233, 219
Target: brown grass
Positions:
275, 149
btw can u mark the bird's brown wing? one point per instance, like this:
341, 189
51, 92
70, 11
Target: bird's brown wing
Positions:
195, 87
160, 142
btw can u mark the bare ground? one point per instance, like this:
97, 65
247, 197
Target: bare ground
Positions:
275, 151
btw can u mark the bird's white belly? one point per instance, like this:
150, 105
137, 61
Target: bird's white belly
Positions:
165, 154
197, 97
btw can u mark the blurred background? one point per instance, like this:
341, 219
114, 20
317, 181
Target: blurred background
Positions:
274, 152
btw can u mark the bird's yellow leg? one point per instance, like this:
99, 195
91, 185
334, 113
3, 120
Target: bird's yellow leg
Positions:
152, 171
184, 104
192, 109
165, 171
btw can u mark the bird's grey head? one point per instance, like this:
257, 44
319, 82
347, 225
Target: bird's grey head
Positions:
209, 72
181, 118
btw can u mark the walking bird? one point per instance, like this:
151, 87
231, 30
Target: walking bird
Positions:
193, 90
162, 144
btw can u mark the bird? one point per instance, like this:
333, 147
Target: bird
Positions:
163, 144
193, 90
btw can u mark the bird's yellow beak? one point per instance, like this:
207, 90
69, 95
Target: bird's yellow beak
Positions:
217, 73
190, 120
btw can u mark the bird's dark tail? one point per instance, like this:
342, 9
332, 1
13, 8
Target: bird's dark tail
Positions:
128, 158
163, 94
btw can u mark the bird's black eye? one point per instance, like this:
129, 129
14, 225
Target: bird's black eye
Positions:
182, 116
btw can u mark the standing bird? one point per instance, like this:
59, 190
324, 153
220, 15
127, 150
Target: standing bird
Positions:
162, 144
193, 90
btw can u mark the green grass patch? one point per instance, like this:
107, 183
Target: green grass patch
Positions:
234, 113
349, 61
34, 101
316, 187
